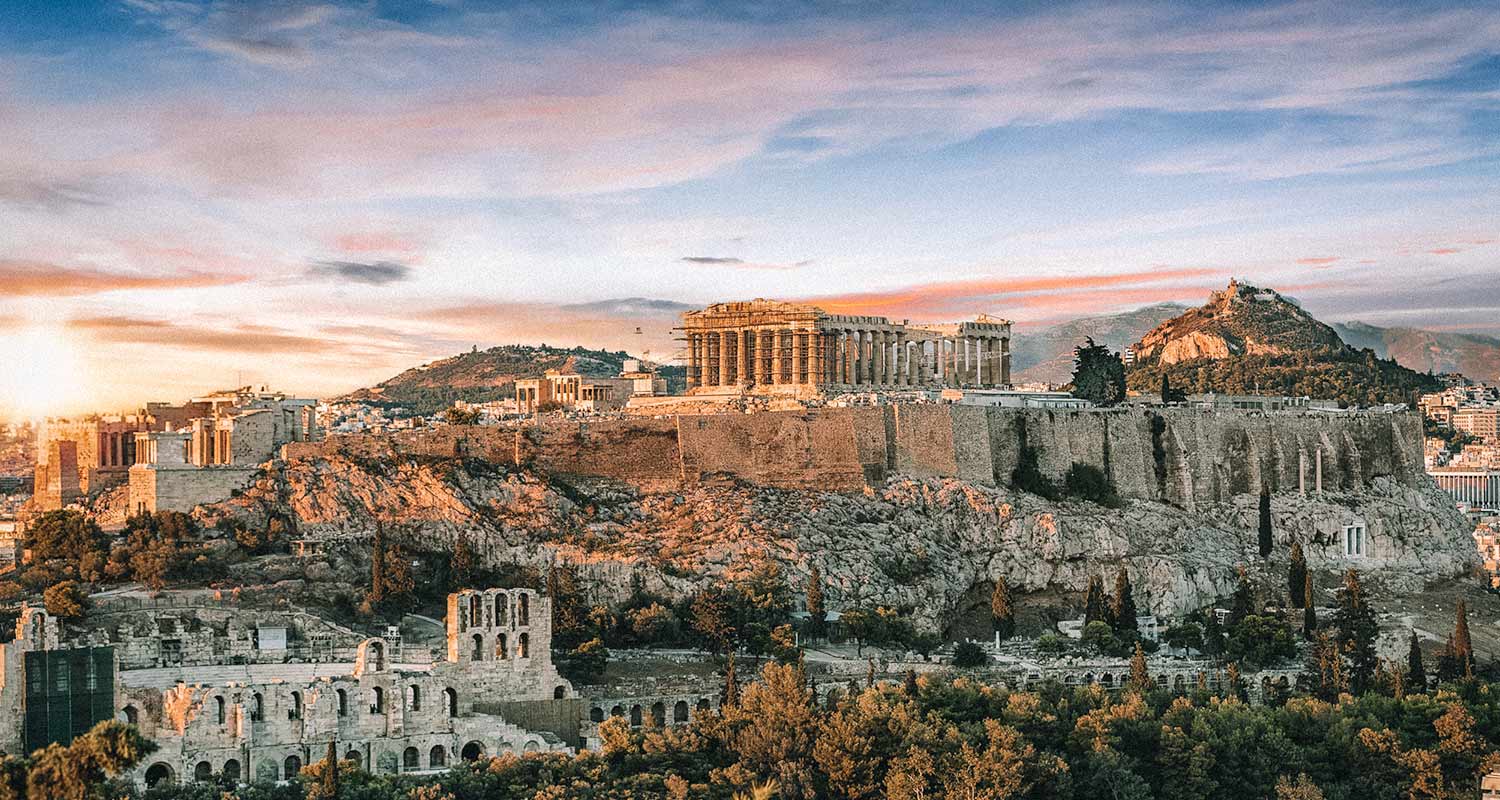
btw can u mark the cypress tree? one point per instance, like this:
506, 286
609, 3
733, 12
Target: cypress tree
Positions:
331, 774
1448, 668
1123, 608
377, 566
1463, 647
1357, 630
909, 685
1265, 522
1416, 673
1002, 616
1140, 678
870, 674
1213, 634
817, 614
1095, 605
1244, 602
1309, 613
731, 695
1166, 389
1296, 576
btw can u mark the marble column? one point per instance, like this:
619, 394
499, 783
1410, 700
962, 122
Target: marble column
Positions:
723, 358
741, 358
877, 346
693, 378
1005, 360
799, 358
901, 359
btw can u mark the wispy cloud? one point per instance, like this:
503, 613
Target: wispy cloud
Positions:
372, 273
42, 279
740, 263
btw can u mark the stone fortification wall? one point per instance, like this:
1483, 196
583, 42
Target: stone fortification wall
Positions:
153, 489
1183, 456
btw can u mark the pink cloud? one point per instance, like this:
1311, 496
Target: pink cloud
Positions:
1318, 261
1444, 251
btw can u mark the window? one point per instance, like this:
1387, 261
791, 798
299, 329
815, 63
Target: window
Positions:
450, 702
378, 705
523, 610
219, 710
411, 759
501, 648
523, 646
343, 703
295, 712
478, 653
257, 708
476, 616
1354, 540
414, 698
501, 603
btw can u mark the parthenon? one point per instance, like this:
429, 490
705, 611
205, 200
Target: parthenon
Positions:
769, 344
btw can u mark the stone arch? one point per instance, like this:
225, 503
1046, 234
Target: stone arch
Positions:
1107, 680
596, 714
377, 697
559, 692
1179, 683
472, 751
476, 611
130, 715
295, 712
219, 713
704, 704
502, 647
257, 707
410, 759
160, 774
680, 712
1088, 678
658, 713
414, 698
203, 772
291, 766
231, 771
523, 646
477, 651
523, 608
388, 762
370, 657
532, 746
617, 711
502, 609
357, 757
343, 698
450, 701
635, 716
437, 757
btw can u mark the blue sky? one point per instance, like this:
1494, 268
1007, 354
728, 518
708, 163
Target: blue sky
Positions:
317, 195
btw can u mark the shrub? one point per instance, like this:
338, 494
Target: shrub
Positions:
1088, 482
969, 654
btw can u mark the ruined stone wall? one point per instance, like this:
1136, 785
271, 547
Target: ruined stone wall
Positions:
1182, 456
183, 490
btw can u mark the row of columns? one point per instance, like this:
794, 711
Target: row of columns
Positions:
116, 449
851, 356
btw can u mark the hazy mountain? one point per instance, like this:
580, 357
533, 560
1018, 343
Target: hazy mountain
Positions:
1473, 355
1046, 354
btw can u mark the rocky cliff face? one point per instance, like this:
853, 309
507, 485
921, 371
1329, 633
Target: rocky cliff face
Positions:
932, 545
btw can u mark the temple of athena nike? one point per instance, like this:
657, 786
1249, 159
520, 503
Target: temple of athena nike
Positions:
775, 347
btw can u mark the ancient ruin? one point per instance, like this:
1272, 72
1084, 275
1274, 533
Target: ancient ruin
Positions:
774, 346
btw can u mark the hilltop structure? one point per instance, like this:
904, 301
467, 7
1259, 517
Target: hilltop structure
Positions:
779, 347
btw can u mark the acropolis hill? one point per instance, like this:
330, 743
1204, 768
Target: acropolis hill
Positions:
909, 505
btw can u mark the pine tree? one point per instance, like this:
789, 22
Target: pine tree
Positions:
1416, 673
1002, 615
377, 566
1355, 621
1309, 612
1265, 522
1244, 600
817, 614
731, 696
1096, 604
1463, 647
1123, 608
1140, 679
1296, 576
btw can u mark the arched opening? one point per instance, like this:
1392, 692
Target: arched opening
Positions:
532, 746
472, 751
680, 711
501, 648
523, 645
219, 710
295, 712
617, 711
476, 611
501, 604
377, 704
414, 698
257, 707
410, 759
231, 770
559, 692
375, 657
437, 756
658, 713
704, 704
635, 716
523, 611
478, 650
357, 757
596, 714
450, 701
343, 703
1107, 679
291, 766
131, 715
204, 772
159, 774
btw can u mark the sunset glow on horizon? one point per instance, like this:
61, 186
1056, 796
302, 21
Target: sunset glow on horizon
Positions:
316, 195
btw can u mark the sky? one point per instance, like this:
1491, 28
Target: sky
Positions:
317, 195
